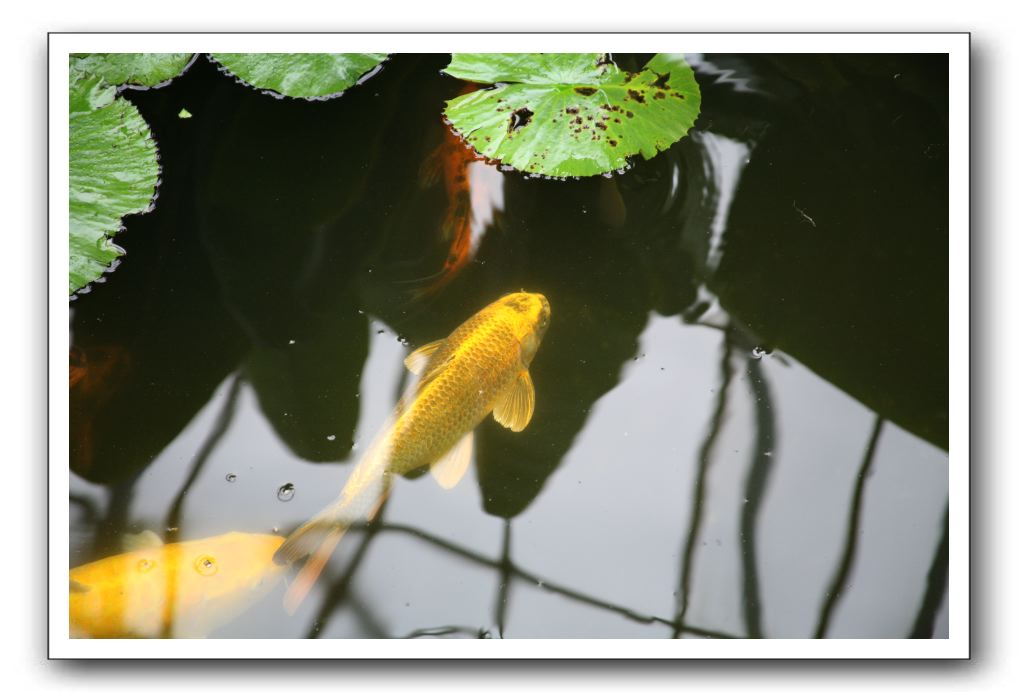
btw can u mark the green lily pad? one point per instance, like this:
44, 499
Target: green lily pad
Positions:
113, 172
142, 69
301, 75
88, 92
571, 114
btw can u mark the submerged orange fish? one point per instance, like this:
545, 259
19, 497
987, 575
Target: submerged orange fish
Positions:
450, 161
481, 368
183, 590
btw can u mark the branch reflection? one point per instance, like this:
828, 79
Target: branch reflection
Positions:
700, 488
756, 485
835, 589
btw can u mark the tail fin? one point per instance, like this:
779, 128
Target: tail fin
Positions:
312, 569
306, 538
362, 497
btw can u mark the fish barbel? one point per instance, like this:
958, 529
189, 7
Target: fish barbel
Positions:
481, 368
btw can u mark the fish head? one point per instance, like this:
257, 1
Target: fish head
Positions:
529, 314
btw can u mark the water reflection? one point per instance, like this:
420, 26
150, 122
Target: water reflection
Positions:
262, 317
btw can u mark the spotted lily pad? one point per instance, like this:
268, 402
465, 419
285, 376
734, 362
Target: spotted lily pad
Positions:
142, 69
301, 75
571, 114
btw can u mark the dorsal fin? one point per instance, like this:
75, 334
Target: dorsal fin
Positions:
418, 360
140, 541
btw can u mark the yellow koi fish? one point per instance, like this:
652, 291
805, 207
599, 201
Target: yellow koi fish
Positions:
481, 368
183, 590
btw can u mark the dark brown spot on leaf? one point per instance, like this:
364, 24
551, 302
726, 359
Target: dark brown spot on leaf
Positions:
586, 91
520, 118
636, 95
659, 94
572, 110
629, 114
601, 125
662, 80
613, 142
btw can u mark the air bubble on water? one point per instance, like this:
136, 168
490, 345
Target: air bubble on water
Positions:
285, 492
206, 565
292, 342
360, 312
275, 529
231, 477
760, 352
330, 438
768, 453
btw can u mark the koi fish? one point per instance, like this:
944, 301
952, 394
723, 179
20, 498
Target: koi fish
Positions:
481, 368
450, 161
78, 365
95, 376
183, 590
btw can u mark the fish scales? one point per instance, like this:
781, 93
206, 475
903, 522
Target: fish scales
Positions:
478, 362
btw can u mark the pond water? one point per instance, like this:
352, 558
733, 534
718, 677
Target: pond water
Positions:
741, 402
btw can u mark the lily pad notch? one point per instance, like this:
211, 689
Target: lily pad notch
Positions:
571, 114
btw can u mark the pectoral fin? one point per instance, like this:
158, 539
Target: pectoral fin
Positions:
516, 406
418, 360
451, 468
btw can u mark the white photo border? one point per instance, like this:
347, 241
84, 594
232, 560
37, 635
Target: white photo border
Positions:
955, 45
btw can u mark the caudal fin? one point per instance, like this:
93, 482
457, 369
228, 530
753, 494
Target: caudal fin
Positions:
318, 539
312, 569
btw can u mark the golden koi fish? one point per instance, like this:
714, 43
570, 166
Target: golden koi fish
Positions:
481, 368
183, 590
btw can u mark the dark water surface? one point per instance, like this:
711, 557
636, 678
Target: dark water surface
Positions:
741, 422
